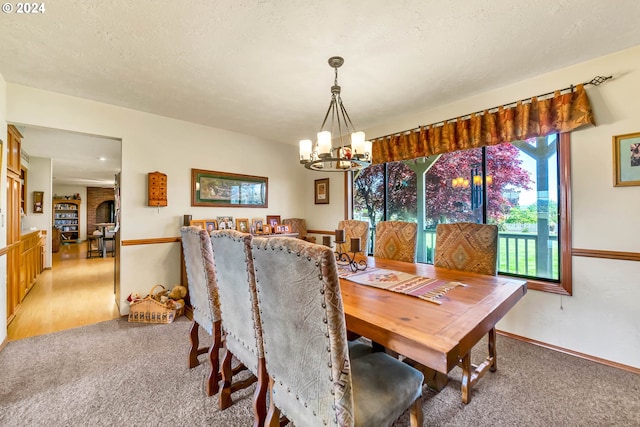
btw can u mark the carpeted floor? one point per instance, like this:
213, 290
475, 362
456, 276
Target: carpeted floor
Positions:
117, 373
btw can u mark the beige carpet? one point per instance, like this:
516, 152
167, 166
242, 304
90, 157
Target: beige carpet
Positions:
120, 374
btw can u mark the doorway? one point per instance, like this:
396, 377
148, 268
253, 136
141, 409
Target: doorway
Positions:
64, 164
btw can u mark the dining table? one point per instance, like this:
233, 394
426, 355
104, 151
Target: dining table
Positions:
438, 333
103, 230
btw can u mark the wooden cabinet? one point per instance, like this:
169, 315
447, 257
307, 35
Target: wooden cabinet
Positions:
66, 218
157, 189
14, 139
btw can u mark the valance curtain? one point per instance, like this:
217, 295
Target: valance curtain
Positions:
560, 113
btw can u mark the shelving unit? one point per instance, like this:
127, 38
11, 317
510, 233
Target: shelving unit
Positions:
67, 219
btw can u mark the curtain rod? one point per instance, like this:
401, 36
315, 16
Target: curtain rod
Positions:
596, 81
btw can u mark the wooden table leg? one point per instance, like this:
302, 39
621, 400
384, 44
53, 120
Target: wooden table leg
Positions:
465, 364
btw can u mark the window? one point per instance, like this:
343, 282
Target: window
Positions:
522, 187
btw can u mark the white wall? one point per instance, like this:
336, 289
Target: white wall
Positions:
602, 318
39, 179
154, 143
3, 210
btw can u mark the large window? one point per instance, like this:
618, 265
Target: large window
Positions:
517, 186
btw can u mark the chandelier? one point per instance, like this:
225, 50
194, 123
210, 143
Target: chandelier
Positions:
323, 156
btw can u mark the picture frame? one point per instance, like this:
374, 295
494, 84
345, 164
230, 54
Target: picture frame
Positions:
626, 160
242, 225
201, 223
224, 189
38, 201
286, 229
321, 191
258, 224
226, 223
266, 229
211, 225
273, 221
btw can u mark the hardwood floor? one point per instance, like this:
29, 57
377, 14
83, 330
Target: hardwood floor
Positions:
76, 291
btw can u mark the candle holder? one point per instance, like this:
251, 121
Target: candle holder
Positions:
349, 258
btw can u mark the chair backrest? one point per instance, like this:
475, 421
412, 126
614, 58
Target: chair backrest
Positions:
467, 246
396, 240
298, 225
355, 228
304, 332
201, 278
237, 292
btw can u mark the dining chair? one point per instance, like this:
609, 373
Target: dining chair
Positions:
203, 295
240, 317
354, 228
467, 246
396, 240
299, 225
313, 381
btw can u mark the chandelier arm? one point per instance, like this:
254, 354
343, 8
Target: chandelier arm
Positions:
331, 107
347, 120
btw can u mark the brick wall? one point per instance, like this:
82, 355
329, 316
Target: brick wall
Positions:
95, 212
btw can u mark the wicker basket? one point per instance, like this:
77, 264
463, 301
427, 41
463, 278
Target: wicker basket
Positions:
149, 310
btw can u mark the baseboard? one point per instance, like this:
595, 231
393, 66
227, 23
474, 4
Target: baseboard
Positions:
572, 353
4, 343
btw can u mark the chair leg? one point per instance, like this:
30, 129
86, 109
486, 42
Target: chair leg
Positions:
416, 416
214, 360
273, 416
260, 395
227, 378
195, 342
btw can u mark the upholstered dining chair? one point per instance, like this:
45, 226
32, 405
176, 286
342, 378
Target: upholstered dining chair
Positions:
396, 240
203, 295
467, 246
313, 380
354, 228
299, 225
240, 317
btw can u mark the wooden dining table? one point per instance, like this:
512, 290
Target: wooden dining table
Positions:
437, 336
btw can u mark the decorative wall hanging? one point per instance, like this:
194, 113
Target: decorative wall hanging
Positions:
211, 188
321, 191
626, 160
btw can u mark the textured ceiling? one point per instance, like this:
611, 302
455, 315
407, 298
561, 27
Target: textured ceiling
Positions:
259, 67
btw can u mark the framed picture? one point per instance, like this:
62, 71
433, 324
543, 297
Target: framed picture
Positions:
321, 191
273, 220
226, 223
201, 223
626, 160
211, 188
242, 225
257, 224
38, 201
279, 228
211, 225
286, 229
266, 229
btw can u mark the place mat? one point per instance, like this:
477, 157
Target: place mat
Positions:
421, 287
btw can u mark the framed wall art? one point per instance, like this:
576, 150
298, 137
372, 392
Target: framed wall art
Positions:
626, 160
38, 201
212, 224
242, 225
211, 188
201, 223
321, 191
273, 220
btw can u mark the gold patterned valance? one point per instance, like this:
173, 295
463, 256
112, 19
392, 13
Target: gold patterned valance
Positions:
560, 113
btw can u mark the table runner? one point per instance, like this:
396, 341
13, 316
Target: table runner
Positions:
397, 281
